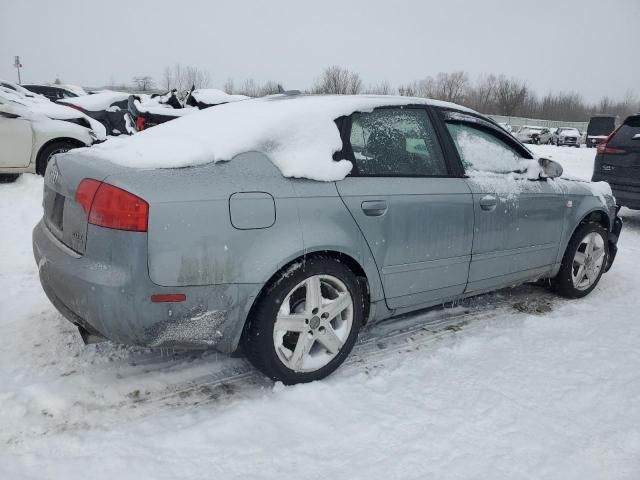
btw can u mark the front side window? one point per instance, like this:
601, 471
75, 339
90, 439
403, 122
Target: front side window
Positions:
396, 142
481, 150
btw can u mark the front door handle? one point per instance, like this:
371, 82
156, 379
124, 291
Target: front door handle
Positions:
374, 208
488, 202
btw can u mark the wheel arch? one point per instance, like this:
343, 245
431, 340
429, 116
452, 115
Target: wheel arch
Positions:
39, 157
348, 260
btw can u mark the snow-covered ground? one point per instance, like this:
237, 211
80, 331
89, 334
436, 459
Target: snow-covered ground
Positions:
519, 384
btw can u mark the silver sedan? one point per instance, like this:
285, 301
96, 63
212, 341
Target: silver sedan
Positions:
230, 255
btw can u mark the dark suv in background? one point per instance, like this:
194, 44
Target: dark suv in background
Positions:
600, 127
618, 162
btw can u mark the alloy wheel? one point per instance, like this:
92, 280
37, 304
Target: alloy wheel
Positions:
313, 323
588, 261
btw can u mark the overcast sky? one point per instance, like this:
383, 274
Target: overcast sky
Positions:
590, 46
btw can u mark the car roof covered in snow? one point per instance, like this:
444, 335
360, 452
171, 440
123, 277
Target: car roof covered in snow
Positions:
297, 132
97, 101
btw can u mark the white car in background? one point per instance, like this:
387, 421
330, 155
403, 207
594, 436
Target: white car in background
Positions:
567, 136
533, 134
33, 129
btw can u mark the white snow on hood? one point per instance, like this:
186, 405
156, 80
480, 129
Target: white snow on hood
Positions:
214, 96
97, 101
297, 133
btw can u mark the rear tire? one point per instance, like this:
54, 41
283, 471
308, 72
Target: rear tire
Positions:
306, 323
49, 150
584, 261
9, 177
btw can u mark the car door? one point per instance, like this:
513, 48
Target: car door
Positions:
15, 140
518, 221
415, 213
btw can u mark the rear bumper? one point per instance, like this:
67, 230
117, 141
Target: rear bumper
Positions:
107, 292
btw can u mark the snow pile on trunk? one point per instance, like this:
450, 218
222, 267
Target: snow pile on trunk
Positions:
298, 134
213, 96
97, 101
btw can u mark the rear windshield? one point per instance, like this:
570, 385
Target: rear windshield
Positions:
601, 125
624, 136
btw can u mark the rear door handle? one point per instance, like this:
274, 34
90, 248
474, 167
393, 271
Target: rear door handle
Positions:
374, 208
488, 202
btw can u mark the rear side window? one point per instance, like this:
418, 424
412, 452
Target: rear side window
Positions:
395, 142
624, 136
481, 150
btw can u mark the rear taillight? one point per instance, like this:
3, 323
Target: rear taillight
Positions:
73, 106
603, 149
111, 207
85, 193
140, 123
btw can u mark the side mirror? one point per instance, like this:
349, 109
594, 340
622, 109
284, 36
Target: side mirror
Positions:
549, 168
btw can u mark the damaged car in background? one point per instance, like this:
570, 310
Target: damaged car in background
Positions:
281, 225
145, 112
106, 106
33, 129
535, 135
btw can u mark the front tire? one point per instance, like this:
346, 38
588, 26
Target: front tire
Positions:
584, 261
306, 323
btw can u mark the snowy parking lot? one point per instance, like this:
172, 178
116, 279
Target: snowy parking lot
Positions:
515, 384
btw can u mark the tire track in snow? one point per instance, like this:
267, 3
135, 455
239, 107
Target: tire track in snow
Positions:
376, 343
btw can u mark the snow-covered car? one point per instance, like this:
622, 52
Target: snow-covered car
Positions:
567, 136
56, 92
144, 111
33, 129
286, 223
107, 107
157, 109
533, 134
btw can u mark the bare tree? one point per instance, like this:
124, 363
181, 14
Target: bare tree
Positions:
510, 95
481, 97
451, 87
182, 79
143, 82
338, 80
382, 88
228, 86
195, 77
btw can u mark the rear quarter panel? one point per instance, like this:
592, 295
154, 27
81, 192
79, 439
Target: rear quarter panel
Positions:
191, 238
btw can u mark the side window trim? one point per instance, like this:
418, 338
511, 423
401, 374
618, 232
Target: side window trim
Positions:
347, 149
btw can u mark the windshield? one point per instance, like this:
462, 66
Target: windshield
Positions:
601, 125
